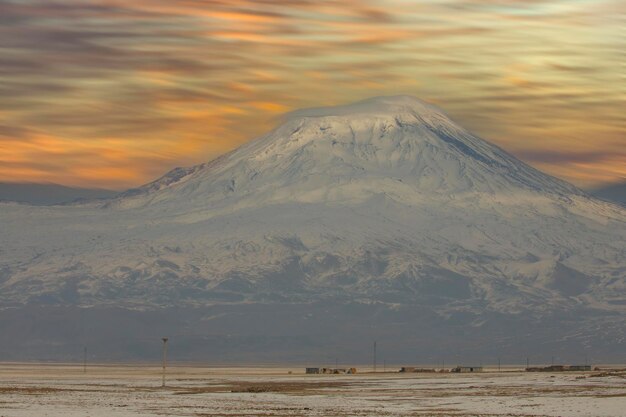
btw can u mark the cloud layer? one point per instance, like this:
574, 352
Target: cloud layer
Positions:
114, 93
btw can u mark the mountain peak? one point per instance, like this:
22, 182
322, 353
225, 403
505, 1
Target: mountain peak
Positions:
373, 107
396, 146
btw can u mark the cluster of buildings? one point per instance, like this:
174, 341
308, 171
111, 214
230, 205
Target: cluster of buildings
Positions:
331, 370
458, 369
404, 369
560, 368
467, 369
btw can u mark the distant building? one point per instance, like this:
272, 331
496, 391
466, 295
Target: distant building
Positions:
582, 368
312, 370
334, 371
551, 368
467, 369
560, 368
414, 369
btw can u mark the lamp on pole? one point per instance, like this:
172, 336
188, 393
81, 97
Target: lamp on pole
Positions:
164, 359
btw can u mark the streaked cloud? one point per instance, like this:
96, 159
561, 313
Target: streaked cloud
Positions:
113, 93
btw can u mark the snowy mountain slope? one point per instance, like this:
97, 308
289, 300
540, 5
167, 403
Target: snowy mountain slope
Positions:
383, 201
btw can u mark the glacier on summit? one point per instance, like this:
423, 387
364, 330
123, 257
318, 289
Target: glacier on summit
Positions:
386, 207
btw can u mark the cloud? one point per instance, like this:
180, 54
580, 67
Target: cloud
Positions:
139, 87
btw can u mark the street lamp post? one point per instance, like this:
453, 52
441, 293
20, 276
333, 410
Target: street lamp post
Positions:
164, 359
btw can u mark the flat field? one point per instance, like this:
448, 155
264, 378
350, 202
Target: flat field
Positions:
131, 390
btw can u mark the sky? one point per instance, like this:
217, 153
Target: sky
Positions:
114, 93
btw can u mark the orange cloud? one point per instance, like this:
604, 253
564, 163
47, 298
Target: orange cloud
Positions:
114, 93
269, 106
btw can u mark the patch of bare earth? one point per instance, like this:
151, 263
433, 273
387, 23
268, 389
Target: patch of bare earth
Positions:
32, 390
249, 387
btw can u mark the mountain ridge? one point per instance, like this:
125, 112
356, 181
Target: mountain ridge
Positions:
49, 193
615, 193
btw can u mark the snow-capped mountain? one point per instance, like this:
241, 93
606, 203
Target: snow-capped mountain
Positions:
385, 140
384, 203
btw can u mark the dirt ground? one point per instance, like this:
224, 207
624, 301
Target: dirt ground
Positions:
131, 390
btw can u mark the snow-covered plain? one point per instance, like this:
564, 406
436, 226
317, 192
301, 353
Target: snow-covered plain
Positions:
40, 390
385, 202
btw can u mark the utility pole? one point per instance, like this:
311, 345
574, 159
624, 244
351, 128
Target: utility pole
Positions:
164, 359
85, 359
374, 356
384, 365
